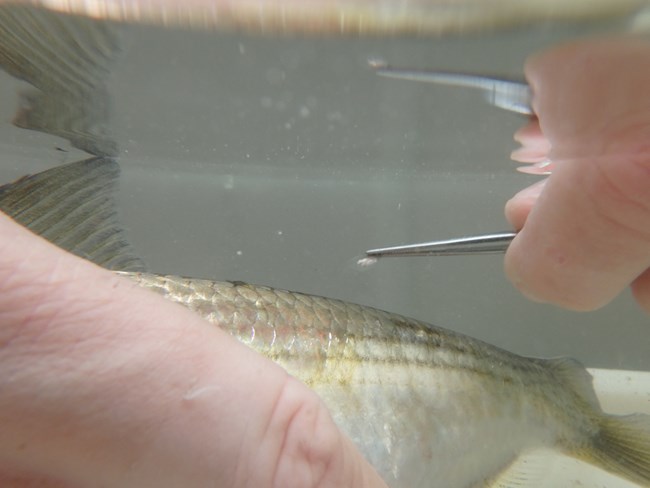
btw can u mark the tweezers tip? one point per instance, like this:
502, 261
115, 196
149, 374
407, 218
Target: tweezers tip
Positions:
479, 244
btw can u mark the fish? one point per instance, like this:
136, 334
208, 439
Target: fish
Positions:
427, 407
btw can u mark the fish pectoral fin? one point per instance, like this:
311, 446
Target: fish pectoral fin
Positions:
73, 207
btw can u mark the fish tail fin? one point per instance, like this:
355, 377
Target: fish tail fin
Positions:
73, 207
622, 447
619, 444
67, 60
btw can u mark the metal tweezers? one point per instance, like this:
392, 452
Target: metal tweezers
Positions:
477, 244
508, 94
511, 95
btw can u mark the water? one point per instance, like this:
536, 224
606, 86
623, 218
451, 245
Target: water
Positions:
279, 160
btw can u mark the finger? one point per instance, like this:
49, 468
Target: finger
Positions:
519, 206
641, 290
108, 384
587, 237
534, 145
29, 480
535, 148
596, 103
588, 234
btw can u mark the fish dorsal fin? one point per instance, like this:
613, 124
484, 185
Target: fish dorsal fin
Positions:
73, 207
575, 376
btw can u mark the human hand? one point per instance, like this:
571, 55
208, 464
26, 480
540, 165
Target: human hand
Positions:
585, 230
106, 384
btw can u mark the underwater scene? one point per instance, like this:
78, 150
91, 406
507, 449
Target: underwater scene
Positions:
221, 157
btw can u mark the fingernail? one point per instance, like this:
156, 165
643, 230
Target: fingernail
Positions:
541, 168
528, 155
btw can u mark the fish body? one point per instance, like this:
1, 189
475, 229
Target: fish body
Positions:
426, 406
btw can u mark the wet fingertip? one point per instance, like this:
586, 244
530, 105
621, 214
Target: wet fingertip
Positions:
544, 168
528, 295
531, 131
519, 206
539, 280
525, 155
514, 266
515, 214
532, 66
528, 155
641, 291
531, 192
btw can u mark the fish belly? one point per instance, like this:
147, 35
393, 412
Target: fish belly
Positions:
452, 431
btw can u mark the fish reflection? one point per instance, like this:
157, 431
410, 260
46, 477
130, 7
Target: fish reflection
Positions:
427, 407
67, 60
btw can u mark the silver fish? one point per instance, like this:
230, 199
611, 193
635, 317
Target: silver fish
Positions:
427, 407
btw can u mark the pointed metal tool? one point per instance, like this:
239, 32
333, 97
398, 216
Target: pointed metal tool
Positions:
511, 95
477, 244
508, 94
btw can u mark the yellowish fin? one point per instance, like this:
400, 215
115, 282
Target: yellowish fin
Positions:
73, 207
67, 60
619, 444
622, 446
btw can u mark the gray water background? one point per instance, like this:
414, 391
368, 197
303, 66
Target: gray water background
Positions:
278, 161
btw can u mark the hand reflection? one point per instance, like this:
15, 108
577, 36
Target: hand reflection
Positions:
585, 231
